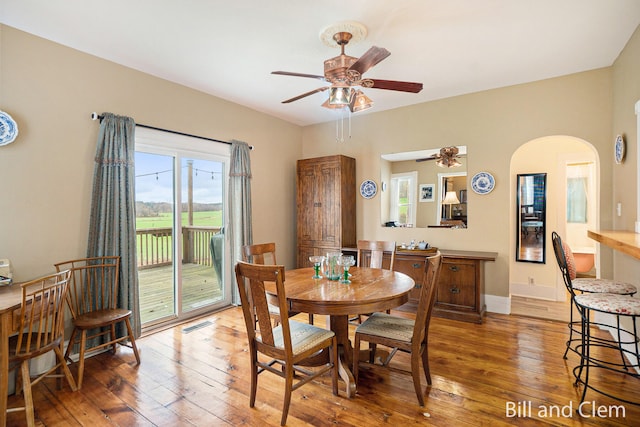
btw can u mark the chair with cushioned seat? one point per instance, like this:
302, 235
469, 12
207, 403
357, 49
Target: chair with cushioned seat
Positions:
287, 344
564, 257
401, 333
620, 306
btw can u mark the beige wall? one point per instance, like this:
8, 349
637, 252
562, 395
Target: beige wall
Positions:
492, 124
46, 174
626, 93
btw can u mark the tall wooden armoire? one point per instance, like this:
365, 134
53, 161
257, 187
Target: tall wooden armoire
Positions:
326, 198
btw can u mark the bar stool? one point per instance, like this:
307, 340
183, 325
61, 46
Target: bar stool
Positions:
565, 260
618, 306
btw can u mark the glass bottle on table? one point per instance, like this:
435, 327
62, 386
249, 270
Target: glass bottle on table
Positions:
331, 266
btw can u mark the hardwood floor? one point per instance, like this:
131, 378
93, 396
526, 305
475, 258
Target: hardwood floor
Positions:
543, 309
196, 374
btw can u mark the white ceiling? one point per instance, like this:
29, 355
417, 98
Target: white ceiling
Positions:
229, 48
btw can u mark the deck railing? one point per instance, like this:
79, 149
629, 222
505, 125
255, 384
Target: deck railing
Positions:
155, 246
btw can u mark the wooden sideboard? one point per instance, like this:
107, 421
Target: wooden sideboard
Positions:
460, 292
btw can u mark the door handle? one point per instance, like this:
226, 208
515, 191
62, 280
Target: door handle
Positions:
454, 290
454, 268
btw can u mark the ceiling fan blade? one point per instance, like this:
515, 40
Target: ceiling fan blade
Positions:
395, 85
320, 89
370, 58
424, 159
311, 76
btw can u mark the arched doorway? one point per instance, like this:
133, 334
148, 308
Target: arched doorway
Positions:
569, 163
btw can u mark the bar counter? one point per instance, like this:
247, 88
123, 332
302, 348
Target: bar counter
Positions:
626, 242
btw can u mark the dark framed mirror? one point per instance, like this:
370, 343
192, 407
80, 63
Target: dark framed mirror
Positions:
531, 217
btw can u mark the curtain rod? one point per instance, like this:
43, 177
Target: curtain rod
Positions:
96, 116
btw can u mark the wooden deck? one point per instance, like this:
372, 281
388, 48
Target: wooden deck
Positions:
199, 284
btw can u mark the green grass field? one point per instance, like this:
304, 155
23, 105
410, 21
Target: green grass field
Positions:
208, 218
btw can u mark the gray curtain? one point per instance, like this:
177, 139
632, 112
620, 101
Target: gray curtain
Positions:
240, 230
112, 227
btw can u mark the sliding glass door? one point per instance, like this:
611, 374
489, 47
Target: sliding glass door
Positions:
180, 219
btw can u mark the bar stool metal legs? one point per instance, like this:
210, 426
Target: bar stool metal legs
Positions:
592, 349
577, 326
576, 286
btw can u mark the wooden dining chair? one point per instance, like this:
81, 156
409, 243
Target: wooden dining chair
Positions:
93, 302
376, 249
41, 330
265, 254
404, 334
287, 344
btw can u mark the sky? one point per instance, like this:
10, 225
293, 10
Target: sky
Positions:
154, 179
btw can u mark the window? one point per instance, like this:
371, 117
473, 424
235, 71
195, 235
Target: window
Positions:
526, 194
404, 194
577, 192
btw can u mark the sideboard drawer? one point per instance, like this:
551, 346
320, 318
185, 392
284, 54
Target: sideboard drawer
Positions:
457, 286
412, 266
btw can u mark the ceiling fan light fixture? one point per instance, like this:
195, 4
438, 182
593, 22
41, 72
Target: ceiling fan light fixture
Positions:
339, 95
448, 162
360, 102
448, 157
326, 104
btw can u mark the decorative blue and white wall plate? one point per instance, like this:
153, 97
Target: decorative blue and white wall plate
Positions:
8, 129
368, 189
483, 183
620, 149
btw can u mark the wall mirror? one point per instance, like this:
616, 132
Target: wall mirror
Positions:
414, 188
531, 217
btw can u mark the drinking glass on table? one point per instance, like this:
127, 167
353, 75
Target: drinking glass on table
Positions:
346, 261
317, 262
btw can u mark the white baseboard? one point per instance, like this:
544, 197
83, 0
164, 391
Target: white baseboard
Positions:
529, 291
496, 304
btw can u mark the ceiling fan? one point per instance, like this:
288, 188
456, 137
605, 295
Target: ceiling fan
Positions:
345, 72
446, 158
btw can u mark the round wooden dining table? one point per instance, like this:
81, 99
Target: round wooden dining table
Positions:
370, 290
